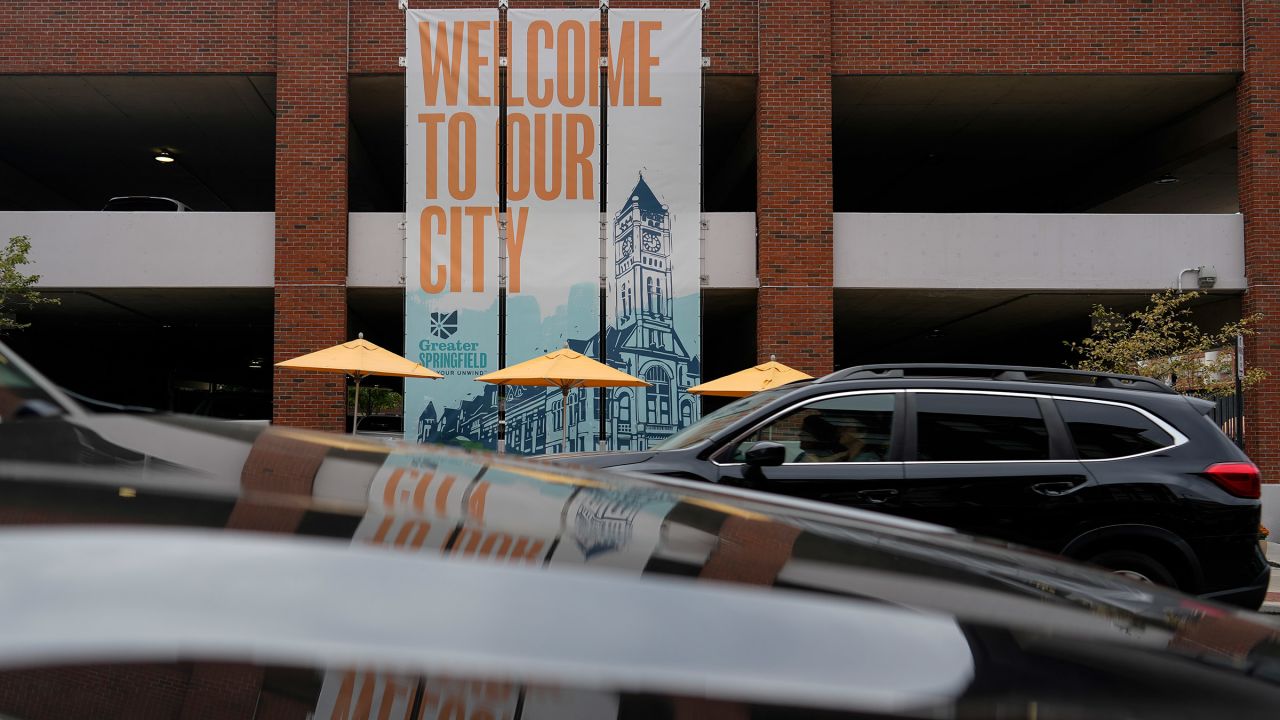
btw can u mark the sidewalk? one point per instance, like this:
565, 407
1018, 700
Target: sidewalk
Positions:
1272, 605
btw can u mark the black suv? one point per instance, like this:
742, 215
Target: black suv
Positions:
1117, 470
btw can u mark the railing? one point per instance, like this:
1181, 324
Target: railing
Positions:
1228, 414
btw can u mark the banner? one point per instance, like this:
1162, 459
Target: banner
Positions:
654, 183
451, 225
553, 191
553, 220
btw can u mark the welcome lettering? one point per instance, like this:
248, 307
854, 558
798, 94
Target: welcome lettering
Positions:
550, 155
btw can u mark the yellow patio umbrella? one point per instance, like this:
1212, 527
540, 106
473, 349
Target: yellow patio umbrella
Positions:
359, 359
564, 369
752, 380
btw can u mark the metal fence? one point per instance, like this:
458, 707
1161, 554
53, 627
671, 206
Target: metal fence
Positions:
1228, 414
1228, 410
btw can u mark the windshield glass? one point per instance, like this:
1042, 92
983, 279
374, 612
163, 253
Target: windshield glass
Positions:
18, 389
711, 424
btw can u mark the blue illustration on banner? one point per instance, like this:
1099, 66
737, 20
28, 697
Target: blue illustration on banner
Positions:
643, 340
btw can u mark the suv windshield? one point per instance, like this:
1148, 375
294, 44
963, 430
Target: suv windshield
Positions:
722, 418
18, 390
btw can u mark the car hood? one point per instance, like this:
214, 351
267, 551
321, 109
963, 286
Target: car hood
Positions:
600, 459
468, 506
181, 595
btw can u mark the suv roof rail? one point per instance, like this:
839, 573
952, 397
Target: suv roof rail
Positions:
1011, 373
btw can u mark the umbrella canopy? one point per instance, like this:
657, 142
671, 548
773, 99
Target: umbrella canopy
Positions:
752, 380
564, 369
359, 358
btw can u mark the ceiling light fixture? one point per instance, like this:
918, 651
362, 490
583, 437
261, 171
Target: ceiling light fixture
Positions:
164, 157
1167, 180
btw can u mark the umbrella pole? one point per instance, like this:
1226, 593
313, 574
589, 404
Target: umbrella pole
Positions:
355, 412
564, 410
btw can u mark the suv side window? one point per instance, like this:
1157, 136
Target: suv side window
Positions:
1110, 431
961, 426
852, 428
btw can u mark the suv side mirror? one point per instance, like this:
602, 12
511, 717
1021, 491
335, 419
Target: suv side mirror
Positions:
766, 454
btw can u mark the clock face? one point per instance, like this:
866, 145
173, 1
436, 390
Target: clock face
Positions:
651, 244
627, 246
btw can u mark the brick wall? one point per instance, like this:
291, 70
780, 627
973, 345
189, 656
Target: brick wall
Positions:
1259, 146
796, 45
377, 29
793, 213
144, 691
882, 36
103, 36
311, 207
1035, 36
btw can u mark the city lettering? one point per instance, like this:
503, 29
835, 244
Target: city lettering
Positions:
418, 488
465, 228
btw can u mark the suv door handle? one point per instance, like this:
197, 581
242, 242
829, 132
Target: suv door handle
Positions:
1055, 489
877, 496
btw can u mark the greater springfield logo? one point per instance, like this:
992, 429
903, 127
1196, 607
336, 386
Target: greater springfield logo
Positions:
444, 325
450, 358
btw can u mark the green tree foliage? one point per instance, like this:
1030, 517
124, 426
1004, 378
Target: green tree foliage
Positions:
374, 400
17, 289
1160, 341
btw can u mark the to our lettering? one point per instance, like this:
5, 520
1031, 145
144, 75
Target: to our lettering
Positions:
565, 171
498, 546
350, 706
460, 154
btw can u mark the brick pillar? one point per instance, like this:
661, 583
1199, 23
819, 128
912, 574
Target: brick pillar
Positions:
793, 207
311, 206
1259, 143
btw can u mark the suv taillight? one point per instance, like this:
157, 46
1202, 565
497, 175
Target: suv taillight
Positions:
1241, 479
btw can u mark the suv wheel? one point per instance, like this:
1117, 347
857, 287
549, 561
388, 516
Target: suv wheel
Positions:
1135, 565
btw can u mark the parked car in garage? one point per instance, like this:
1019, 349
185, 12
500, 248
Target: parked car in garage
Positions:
144, 203
1117, 470
156, 565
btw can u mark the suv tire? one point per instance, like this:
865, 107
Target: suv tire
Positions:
1136, 565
